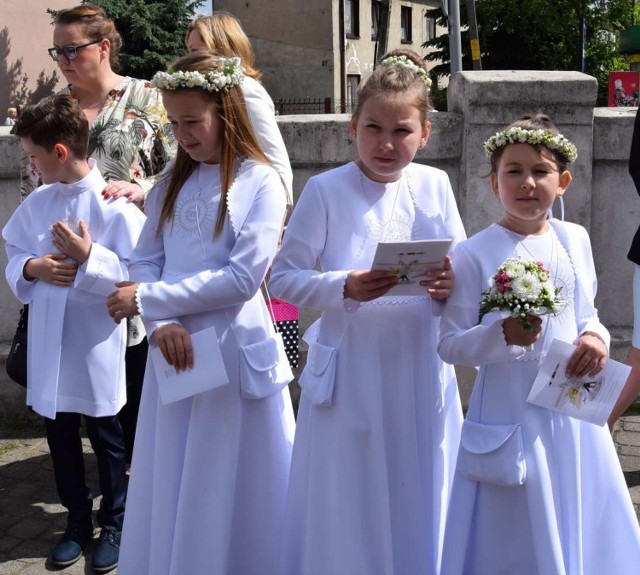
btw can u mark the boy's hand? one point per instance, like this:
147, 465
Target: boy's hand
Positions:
442, 282
515, 334
49, 268
175, 344
130, 190
71, 244
589, 357
363, 285
122, 302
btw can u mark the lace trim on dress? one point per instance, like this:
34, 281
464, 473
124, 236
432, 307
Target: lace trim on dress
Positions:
231, 199
138, 301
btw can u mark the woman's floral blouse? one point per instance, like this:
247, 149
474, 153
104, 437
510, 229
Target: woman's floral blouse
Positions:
131, 138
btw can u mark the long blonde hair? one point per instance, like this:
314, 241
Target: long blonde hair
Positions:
238, 138
223, 33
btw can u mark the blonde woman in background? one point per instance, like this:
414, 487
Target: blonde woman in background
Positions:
223, 33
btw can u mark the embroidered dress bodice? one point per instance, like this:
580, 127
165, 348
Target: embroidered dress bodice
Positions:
193, 224
391, 218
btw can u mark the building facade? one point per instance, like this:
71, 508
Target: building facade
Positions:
27, 73
314, 53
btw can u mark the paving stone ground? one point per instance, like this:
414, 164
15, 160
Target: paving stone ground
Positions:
32, 520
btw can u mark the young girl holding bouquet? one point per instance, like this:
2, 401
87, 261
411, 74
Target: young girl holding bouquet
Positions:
209, 472
560, 505
379, 418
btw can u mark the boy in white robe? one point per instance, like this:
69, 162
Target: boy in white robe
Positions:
67, 248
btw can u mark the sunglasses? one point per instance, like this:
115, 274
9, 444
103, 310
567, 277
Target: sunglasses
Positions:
69, 52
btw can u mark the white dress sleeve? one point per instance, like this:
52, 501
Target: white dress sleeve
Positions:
210, 289
294, 276
263, 120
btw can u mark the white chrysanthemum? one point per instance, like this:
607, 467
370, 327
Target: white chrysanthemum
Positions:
526, 287
514, 268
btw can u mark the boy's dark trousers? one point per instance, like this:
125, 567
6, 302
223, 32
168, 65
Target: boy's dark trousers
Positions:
65, 445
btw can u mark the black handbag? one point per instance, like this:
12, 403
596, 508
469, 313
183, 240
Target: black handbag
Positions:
17, 358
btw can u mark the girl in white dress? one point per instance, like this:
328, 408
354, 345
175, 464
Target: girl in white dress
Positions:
572, 515
379, 417
209, 473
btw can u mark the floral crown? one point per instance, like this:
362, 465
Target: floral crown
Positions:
404, 62
230, 73
535, 137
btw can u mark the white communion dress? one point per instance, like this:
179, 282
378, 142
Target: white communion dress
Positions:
573, 514
379, 418
209, 473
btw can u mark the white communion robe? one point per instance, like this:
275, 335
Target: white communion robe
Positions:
379, 419
573, 515
209, 473
75, 352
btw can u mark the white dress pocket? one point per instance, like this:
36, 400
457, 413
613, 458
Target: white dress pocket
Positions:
264, 368
492, 453
318, 378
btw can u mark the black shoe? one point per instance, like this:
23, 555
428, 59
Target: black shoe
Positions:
105, 557
69, 549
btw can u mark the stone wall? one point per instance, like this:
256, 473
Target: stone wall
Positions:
602, 196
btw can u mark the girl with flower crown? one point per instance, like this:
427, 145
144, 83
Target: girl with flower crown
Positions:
379, 417
209, 472
558, 504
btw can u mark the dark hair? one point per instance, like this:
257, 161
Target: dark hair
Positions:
238, 138
396, 79
97, 26
537, 121
55, 119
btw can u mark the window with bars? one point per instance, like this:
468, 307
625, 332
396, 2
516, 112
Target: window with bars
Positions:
352, 89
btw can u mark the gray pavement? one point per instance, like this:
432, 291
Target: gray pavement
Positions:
32, 520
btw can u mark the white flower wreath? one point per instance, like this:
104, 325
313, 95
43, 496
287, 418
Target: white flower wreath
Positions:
405, 62
536, 137
230, 73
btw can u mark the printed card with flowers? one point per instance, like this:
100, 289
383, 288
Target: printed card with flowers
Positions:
410, 261
522, 288
587, 398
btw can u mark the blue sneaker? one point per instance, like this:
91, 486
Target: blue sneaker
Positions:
105, 557
69, 549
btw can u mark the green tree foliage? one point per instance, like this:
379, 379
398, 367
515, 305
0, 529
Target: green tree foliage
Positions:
152, 32
542, 35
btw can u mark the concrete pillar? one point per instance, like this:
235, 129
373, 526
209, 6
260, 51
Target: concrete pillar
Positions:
490, 100
9, 200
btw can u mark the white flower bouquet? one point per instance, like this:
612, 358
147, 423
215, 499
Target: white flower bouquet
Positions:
524, 289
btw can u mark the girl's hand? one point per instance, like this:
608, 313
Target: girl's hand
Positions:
117, 188
77, 247
442, 282
51, 269
364, 285
515, 334
589, 357
175, 344
121, 303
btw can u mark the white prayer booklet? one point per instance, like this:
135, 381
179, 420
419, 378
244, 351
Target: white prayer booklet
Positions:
208, 370
587, 398
409, 261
